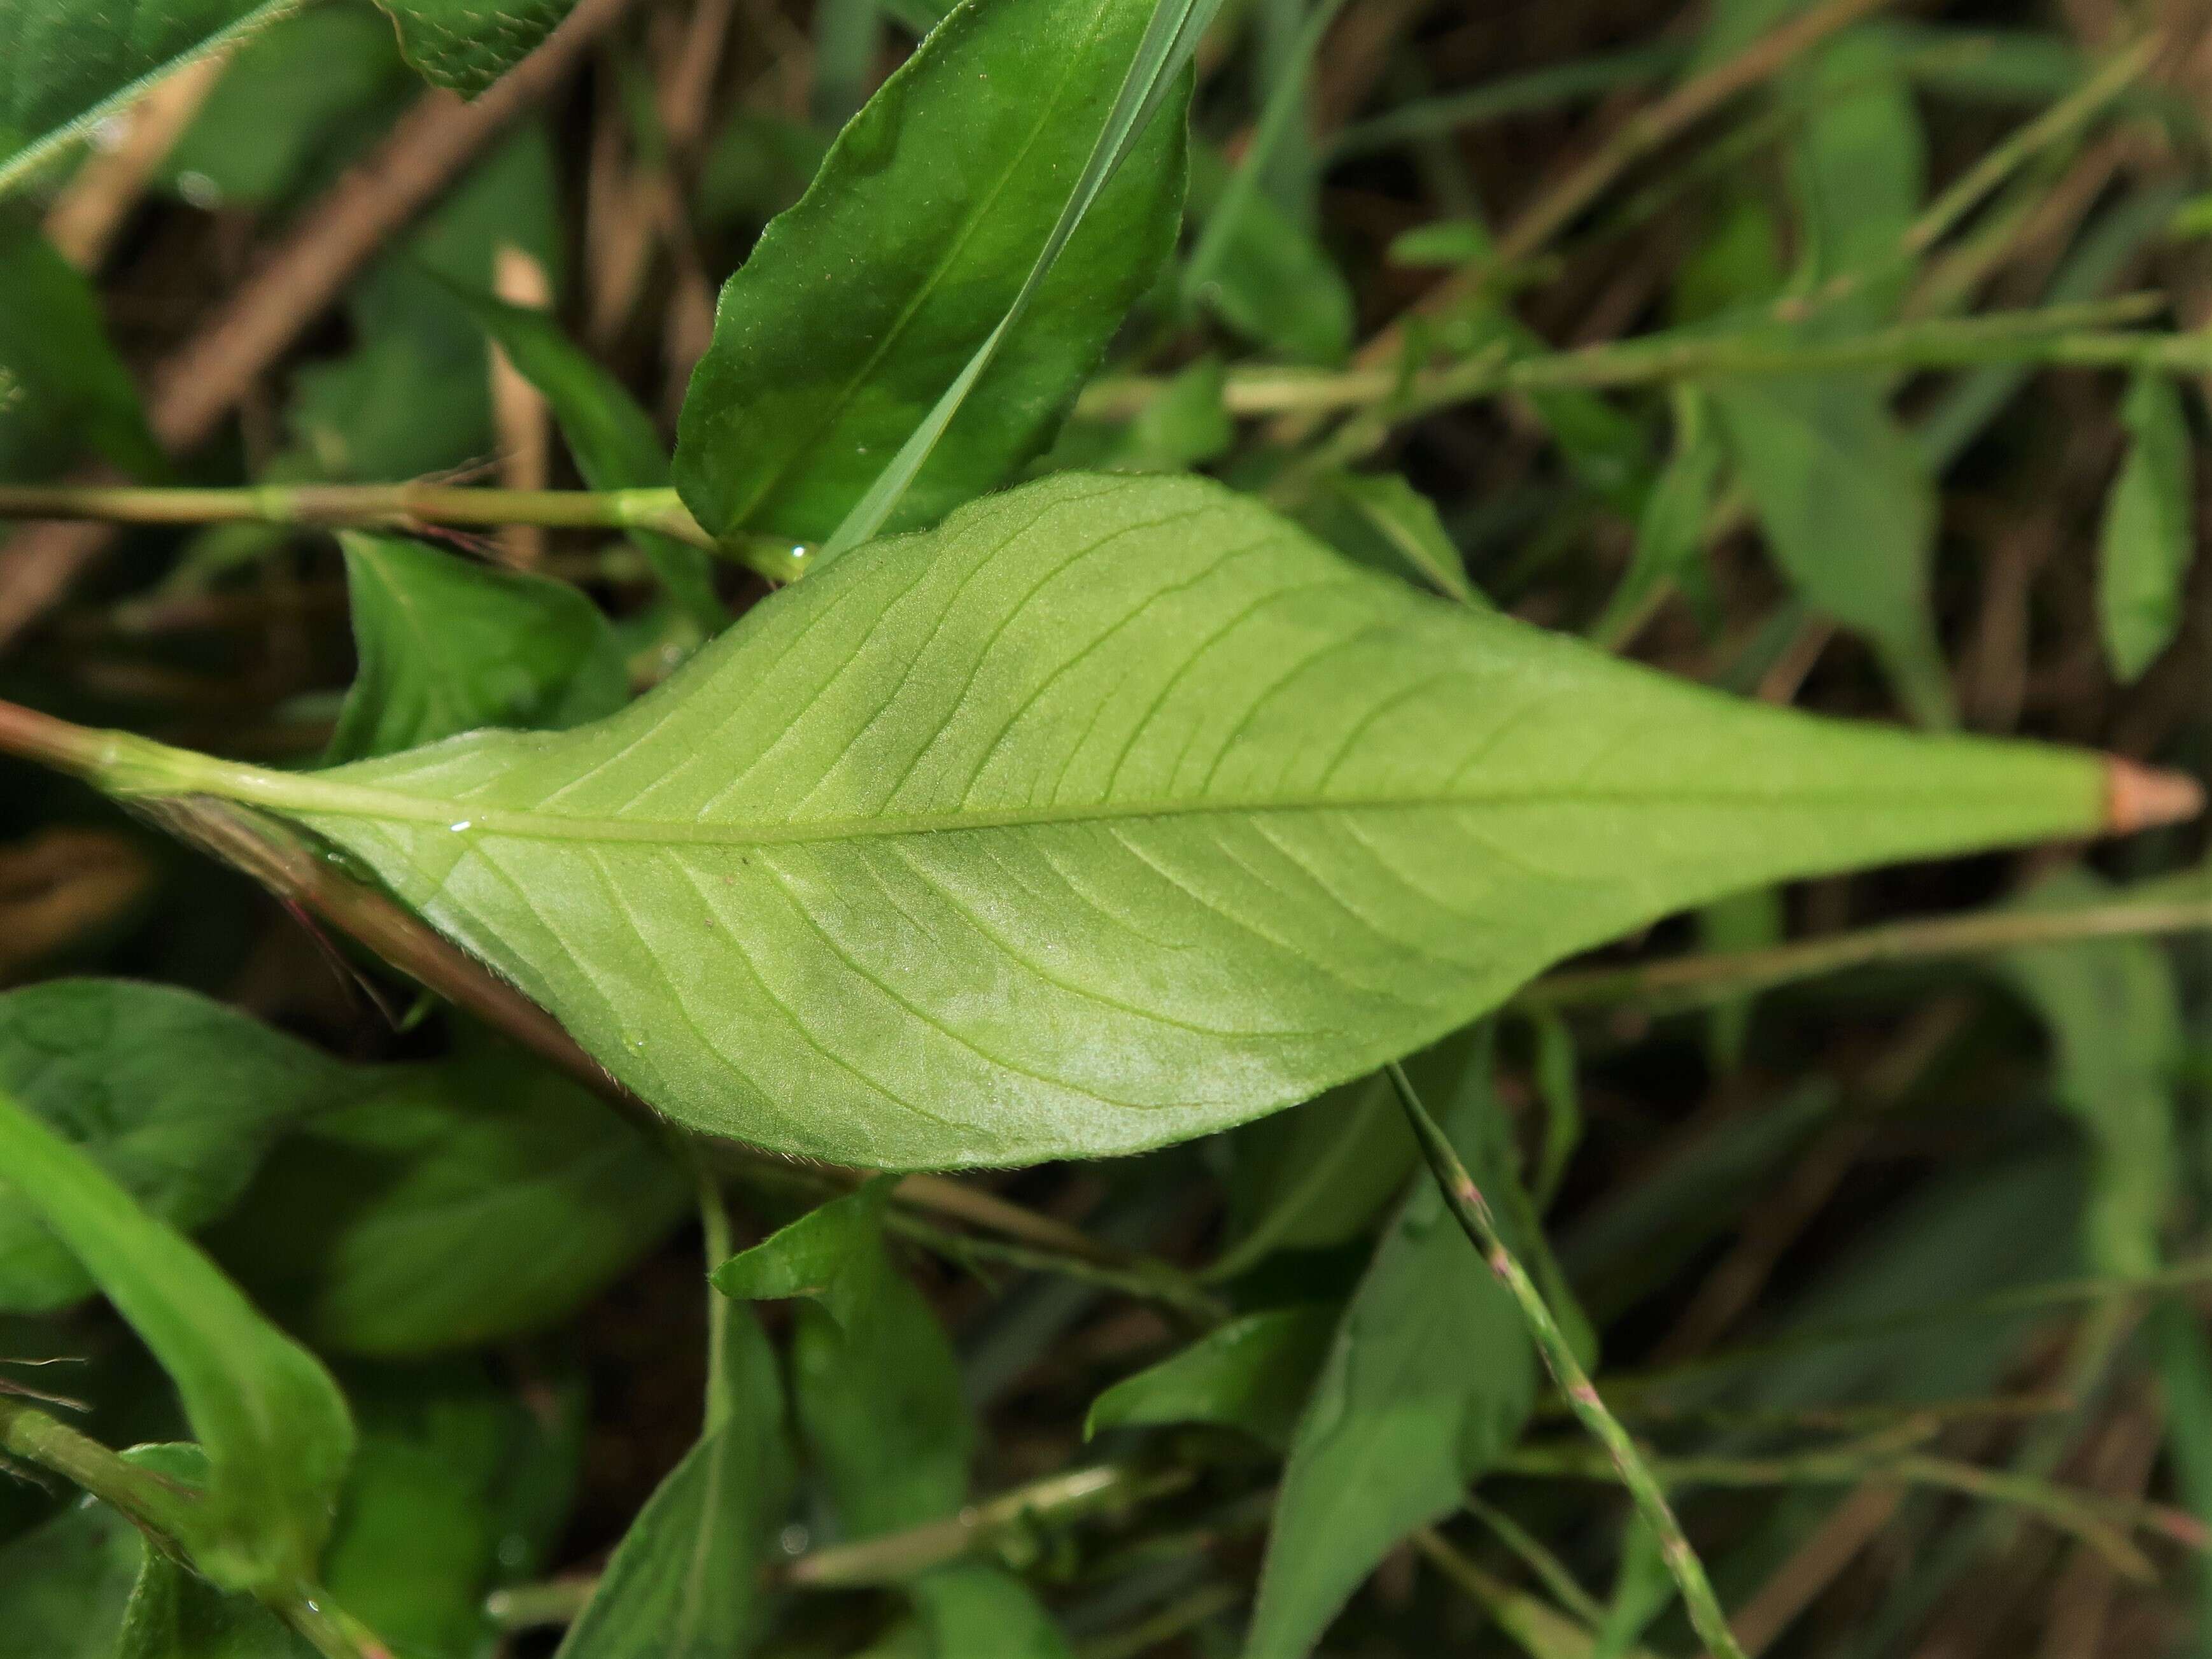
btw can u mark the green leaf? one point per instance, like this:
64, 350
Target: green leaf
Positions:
612, 438
467, 45
1314, 1177
276, 1430
836, 338
2149, 531
448, 645
1430, 1376
427, 1527
295, 102
2114, 1016
1252, 1374
61, 385
682, 1584
1385, 523
1113, 812
1670, 534
67, 64
413, 397
450, 1205
176, 1614
1269, 280
879, 1400
177, 1098
1849, 511
63, 1585
973, 1609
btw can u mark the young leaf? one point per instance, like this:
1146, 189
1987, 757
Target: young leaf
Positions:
448, 645
467, 45
682, 1583
1670, 535
1111, 813
839, 335
2149, 532
67, 64
611, 437
277, 1432
1252, 1374
448, 1206
1430, 1376
878, 1395
176, 1097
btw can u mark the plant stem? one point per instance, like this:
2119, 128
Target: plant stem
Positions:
2078, 336
409, 507
895, 1557
1472, 1210
2097, 1521
1698, 981
32, 1436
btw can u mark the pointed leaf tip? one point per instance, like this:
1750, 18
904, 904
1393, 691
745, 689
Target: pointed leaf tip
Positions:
2139, 797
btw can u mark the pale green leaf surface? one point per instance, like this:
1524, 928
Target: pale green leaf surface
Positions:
1430, 1375
176, 1097
1251, 1374
446, 644
863, 302
612, 438
1114, 812
276, 1430
467, 45
66, 63
878, 1390
2150, 534
682, 1584
450, 1205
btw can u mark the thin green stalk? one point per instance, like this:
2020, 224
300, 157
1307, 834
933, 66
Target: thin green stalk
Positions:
1537, 1557
2099, 1522
714, 1232
1513, 94
30, 1435
1473, 1212
406, 506
1698, 982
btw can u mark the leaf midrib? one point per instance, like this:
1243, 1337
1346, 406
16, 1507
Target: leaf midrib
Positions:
312, 797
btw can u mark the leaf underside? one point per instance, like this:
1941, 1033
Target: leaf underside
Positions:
1112, 812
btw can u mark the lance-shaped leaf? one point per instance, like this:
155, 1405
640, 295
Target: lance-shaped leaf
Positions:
1251, 1374
1113, 812
274, 1427
862, 304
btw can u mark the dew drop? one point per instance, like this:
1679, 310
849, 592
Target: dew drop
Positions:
457, 828
793, 1540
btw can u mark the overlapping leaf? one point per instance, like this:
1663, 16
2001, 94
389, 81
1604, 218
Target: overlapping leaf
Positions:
1113, 812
